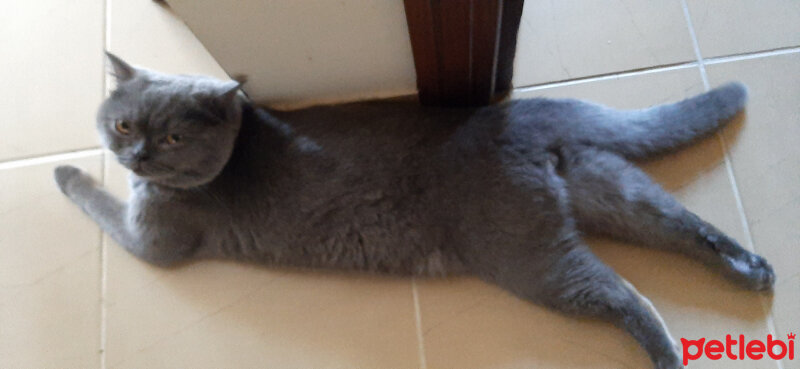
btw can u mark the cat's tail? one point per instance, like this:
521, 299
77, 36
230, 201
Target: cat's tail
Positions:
647, 132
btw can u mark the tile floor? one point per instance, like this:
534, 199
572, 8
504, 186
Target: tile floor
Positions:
70, 298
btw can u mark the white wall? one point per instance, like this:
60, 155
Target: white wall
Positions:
300, 52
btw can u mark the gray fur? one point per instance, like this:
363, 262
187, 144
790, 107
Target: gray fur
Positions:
501, 192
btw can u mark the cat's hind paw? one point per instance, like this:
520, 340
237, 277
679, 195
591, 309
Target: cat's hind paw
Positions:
670, 360
68, 178
751, 271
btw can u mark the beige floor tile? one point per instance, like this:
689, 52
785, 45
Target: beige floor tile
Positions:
766, 162
216, 314
763, 149
149, 34
258, 318
471, 325
725, 27
561, 40
52, 59
49, 272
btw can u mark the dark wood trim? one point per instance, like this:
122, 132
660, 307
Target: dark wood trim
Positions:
486, 23
453, 48
419, 15
512, 15
463, 49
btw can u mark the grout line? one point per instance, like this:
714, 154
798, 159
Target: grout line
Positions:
49, 158
32, 160
103, 279
753, 55
418, 318
103, 284
43, 156
104, 177
736, 194
666, 67
695, 45
106, 35
606, 76
726, 155
748, 236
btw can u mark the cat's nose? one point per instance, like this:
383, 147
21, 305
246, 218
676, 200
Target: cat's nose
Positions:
140, 152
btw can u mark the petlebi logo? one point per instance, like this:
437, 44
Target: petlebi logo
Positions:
738, 348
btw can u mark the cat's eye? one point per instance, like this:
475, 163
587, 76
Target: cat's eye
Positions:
122, 127
173, 139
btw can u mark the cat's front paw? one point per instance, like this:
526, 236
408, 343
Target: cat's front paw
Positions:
69, 178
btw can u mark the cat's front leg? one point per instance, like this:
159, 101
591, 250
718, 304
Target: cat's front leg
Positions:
102, 207
111, 215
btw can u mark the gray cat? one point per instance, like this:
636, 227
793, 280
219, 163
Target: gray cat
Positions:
502, 192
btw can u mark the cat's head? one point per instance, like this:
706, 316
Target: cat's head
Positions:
174, 130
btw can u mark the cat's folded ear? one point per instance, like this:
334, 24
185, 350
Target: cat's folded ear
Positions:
228, 90
222, 103
121, 70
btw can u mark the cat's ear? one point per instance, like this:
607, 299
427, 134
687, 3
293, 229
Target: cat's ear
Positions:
121, 70
223, 99
227, 91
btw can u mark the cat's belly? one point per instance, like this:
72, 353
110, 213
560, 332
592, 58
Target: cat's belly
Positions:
381, 244
385, 248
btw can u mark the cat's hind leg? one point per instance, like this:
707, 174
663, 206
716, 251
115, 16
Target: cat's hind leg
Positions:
526, 242
612, 197
574, 281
